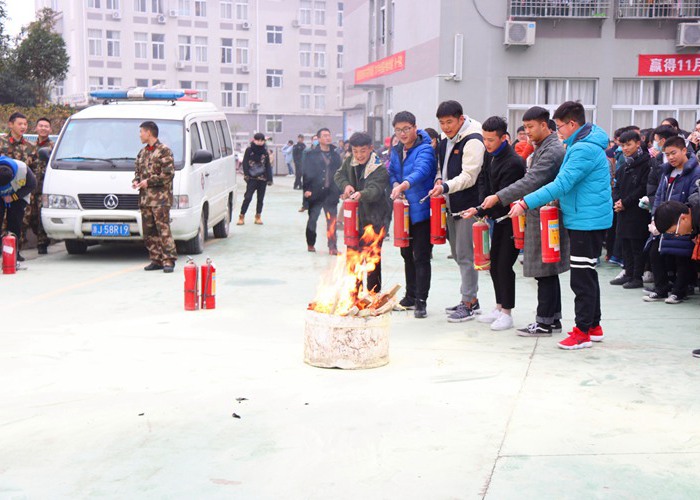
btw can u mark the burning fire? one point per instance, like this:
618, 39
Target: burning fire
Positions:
341, 290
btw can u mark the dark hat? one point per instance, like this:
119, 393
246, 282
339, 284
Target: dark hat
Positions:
6, 174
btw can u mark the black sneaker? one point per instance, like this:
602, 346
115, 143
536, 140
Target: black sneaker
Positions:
620, 280
696, 353
556, 327
633, 284
153, 267
42, 250
475, 307
168, 269
20, 258
407, 303
421, 311
535, 330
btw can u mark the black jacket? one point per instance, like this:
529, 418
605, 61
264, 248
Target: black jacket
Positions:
654, 177
298, 153
318, 177
253, 157
630, 185
466, 198
499, 171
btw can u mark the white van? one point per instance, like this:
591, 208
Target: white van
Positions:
88, 196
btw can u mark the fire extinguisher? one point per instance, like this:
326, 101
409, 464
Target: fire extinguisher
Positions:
191, 286
438, 220
9, 254
482, 245
549, 230
351, 223
401, 223
208, 285
518, 230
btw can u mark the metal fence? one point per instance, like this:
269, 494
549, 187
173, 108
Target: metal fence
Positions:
658, 9
560, 8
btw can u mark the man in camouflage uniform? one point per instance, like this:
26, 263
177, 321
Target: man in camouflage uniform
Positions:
32, 218
15, 146
155, 169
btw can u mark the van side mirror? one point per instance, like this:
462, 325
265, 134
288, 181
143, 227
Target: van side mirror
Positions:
44, 154
202, 156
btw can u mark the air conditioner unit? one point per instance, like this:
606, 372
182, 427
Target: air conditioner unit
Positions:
161, 19
520, 33
254, 106
180, 65
116, 15
322, 72
295, 23
172, 12
245, 25
688, 35
244, 69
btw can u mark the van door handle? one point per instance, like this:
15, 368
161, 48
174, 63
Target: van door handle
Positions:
206, 175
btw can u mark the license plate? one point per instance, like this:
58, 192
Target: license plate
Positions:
110, 230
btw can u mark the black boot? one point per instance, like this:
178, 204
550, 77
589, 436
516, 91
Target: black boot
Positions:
420, 311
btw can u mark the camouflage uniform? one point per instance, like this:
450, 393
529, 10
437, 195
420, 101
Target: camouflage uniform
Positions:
156, 164
32, 218
24, 151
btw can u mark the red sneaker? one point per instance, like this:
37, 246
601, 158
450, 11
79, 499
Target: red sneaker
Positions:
576, 340
596, 334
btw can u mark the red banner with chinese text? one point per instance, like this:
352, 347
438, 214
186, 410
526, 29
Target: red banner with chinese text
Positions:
392, 64
669, 65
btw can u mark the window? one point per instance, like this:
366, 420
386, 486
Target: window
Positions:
200, 8
195, 140
340, 14
273, 124
242, 52
227, 95
157, 81
274, 78
305, 12
113, 47
382, 21
320, 56
185, 84
96, 83
93, 4
142, 82
305, 55
241, 95
339, 59
242, 10
141, 45
200, 49
95, 43
226, 9
211, 139
114, 82
157, 6
226, 51
184, 48
202, 90
225, 134
140, 5
274, 34
319, 12
183, 7
319, 98
158, 46
112, 4
305, 96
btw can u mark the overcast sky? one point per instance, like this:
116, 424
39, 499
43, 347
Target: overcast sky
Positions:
21, 13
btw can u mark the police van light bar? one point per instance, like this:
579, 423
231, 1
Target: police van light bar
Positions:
139, 94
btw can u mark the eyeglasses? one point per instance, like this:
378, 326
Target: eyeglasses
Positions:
562, 126
403, 131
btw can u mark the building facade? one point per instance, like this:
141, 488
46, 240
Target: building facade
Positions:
273, 66
627, 61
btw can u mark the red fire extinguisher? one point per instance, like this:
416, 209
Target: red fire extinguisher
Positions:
518, 230
438, 220
549, 230
351, 223
191, 284
208, 285
9, 254
482, 246
401, 223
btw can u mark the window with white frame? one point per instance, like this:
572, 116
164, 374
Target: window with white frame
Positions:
113, 44
274, 78
305, 11
226, 50
112, 4
242, 52
200, 8
382, 21
305, 96
114, 82
157, 81
202, 89
200, 49
523, 93
157, 6
140, 5
141, 45
320, 56
142, 82
227, 95
158, 46
226, 9
339, 58
645, 102
95, 43
184, 48
274, 34
242, 95
96, 82
305, 55
242, 10
273, 124
185, 84
341, 9
183, 7
93, 4
319, 98
319, 12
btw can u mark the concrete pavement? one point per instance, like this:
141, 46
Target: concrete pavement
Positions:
111, 390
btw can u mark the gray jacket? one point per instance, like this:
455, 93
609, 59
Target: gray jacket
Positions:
544, 167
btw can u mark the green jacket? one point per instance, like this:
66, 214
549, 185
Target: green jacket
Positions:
374, 202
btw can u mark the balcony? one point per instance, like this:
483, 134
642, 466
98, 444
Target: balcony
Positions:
658, 9
560, 9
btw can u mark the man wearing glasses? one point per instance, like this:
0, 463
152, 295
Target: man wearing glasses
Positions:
412, 170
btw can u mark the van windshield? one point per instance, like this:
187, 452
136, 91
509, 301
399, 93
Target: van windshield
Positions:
102, 144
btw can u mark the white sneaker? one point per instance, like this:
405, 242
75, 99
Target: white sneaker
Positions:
504, 322
490, 317
621, 274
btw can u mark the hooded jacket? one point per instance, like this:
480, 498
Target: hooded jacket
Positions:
582, 184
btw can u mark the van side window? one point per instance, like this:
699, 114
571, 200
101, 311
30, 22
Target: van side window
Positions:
195, 140
226, 147
211, 139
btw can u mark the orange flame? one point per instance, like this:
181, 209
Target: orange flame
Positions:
330, 223
342, 286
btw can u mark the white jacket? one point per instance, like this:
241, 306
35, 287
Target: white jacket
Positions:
472, 158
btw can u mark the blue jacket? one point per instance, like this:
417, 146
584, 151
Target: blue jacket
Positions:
419, 169
683, 186
583, 183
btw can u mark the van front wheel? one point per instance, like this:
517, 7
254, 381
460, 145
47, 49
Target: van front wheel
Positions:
196, 244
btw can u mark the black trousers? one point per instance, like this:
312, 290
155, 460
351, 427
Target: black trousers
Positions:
14, 214
297, 175
254, 186
662, 264
416, 261
585, 251
503, 256
633, 255
330, 209
548, 299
